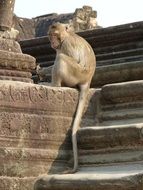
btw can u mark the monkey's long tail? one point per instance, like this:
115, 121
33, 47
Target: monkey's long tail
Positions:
76, 123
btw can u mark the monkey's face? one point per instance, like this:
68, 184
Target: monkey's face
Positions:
57, 33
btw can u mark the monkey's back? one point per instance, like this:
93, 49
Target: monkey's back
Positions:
80, 50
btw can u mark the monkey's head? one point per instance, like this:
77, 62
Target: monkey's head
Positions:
57, 33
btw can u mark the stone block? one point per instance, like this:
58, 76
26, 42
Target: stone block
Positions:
35, 127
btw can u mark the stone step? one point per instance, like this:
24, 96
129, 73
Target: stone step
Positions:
121, 72
119, 54
110, 144
130, 112
119, 47
125, 116
119, 177
123, 92
119, 60
121, 103
132, 27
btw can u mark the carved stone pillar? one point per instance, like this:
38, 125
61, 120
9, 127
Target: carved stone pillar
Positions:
14, 65
6, 14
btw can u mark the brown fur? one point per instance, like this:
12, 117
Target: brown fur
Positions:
74, 66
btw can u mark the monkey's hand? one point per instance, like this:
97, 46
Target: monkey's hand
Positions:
38, 72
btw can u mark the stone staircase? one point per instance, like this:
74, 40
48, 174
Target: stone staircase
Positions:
36, 120
111, 152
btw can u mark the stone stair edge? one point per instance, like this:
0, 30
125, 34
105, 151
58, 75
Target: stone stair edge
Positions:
125, 177
121, 90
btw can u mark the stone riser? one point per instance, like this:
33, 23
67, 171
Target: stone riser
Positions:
119, 60
119, 54
107, 145
125, 116
94, 158
122, 106
121, 47
110, 137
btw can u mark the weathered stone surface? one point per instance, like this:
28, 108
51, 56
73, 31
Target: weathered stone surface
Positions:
16, 66
6, 14
25, 26
35, 127
15, 183
17, 61
17, 73
10, 45
84, 19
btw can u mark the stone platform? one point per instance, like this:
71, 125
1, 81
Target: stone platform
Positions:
35, 128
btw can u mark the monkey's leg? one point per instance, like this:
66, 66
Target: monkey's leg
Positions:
66, 70
56, 79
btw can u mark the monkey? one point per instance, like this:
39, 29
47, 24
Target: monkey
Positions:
74, 66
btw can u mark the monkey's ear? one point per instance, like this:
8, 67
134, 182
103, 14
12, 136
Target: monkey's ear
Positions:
67, 27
